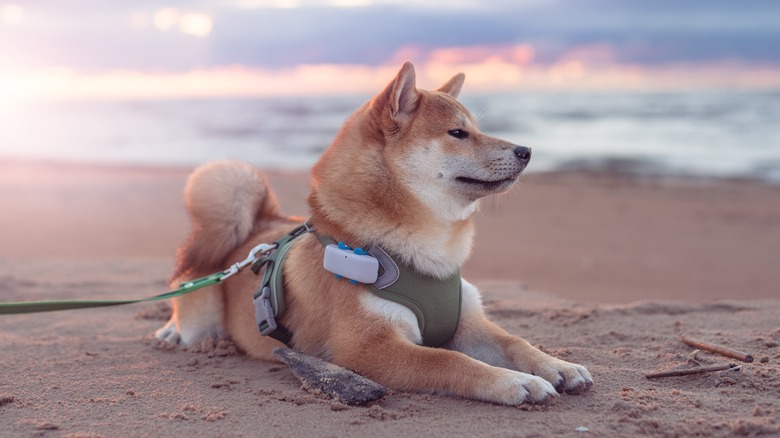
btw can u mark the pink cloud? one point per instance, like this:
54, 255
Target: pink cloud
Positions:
520, 54
488, 69
600, 54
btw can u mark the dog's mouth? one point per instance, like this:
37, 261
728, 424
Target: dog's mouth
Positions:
485, 185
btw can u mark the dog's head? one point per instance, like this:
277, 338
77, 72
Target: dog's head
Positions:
410, 148
435, 144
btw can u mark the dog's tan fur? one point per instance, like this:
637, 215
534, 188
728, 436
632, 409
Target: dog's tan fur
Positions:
388, 179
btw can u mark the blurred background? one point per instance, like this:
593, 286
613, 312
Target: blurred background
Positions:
662, 87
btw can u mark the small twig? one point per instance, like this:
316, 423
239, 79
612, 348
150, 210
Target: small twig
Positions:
693, 358
719, 349
701, 370
690, 371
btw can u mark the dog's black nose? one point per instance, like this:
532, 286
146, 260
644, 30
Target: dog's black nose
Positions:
523, 153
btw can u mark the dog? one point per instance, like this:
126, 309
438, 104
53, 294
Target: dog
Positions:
405, 174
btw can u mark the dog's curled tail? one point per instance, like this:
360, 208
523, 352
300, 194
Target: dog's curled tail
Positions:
225, 200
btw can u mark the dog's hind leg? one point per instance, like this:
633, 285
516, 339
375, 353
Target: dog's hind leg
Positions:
195, 316
227, 201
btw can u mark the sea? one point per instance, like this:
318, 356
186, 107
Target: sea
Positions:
722, 134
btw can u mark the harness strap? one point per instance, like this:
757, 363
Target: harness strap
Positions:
435, 302
269, 296
437, 308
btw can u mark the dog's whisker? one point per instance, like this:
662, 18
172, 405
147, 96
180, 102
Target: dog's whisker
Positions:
481, 113
494, 202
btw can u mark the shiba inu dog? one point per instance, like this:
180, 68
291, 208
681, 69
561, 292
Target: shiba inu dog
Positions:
404, 174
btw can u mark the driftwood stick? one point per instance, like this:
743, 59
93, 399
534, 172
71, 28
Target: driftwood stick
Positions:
332, 380
719, 349
701, 370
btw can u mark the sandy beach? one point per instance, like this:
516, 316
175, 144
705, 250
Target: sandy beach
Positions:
605, 270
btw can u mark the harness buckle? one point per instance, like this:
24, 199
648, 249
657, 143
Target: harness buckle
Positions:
254, 254
264, 313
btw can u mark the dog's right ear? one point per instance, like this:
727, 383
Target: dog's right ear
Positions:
402, 92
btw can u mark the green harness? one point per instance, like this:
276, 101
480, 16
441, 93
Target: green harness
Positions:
435, 302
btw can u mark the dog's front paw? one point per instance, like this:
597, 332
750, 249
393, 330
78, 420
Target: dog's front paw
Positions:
565, 376
515, 388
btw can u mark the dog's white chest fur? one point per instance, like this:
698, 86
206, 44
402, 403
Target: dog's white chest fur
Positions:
400, 317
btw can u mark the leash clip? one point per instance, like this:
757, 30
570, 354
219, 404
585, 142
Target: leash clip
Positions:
264, 313
254, 254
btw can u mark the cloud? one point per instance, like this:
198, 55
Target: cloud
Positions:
493, 74
92, 35
180, 48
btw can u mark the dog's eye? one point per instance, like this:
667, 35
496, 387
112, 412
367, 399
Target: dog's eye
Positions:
458, 133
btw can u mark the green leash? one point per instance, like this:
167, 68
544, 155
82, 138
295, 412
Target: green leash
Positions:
20, 307
52, 305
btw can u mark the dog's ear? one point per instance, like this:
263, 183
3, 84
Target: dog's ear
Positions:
403, 91
454, 85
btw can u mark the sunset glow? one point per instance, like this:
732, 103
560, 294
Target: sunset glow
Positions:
493, 74
12, 14
166, 18
196, 24
295, 47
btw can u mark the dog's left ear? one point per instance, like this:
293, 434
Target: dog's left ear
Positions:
454, 85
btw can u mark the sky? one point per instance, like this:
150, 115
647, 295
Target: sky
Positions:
176, 48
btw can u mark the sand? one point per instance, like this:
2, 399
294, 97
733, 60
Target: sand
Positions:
604, 270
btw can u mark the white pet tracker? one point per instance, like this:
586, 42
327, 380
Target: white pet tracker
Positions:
354, 265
